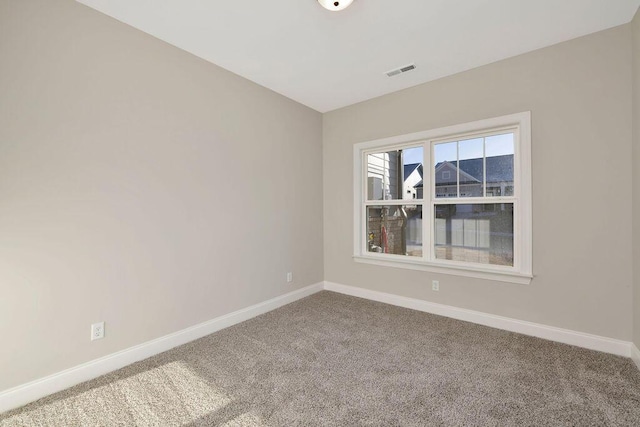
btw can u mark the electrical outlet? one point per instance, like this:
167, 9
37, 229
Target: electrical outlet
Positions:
97, 331
289, 277
435, 285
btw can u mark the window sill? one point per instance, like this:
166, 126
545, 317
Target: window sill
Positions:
486, 274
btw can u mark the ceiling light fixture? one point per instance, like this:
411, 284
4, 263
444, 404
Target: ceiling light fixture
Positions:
335, 5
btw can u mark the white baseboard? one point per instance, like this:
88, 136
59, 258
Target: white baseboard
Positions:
635, 355
23, 394
566, 336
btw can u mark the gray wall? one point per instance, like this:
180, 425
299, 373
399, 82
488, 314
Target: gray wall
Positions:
139, 185
636, 177
579, 93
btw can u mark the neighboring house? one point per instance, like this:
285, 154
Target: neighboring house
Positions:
499, 176
387, 181
384, 175
412, 176
419, 190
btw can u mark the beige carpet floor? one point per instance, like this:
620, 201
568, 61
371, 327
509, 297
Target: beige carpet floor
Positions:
334, 360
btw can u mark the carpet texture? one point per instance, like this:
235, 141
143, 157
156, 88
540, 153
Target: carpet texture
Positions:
334, 360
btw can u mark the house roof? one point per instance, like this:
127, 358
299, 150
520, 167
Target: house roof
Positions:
499, 168
408, 169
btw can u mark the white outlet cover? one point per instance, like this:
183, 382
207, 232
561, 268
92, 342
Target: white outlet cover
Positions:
97, 331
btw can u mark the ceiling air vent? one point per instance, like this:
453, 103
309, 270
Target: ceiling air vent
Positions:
401, 70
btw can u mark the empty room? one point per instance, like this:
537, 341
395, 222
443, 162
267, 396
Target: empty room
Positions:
319, 213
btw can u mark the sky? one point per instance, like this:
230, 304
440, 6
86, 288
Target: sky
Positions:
496, 145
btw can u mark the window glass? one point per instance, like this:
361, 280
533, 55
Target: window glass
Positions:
395, 229
395, 175
475, 233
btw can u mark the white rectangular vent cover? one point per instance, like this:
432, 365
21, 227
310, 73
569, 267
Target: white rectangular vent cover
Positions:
401, 70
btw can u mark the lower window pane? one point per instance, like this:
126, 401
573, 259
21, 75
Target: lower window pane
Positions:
478, 233
395, 229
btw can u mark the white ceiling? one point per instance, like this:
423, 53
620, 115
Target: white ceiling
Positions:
327, 60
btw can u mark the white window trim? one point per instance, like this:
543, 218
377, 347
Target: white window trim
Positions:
521, 272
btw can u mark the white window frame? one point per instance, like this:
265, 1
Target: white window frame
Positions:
521, 271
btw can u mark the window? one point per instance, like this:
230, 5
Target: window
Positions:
454, 200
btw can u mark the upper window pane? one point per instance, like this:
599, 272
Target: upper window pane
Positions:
499, 152
475, 167
446, 172
395, 175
